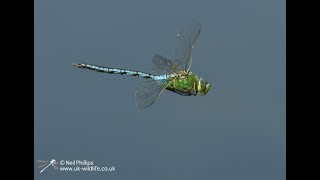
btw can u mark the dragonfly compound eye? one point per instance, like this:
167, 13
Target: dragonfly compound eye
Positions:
208, 87
203, 87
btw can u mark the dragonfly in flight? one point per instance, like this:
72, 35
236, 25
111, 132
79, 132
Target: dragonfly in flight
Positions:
46, 164
171, 74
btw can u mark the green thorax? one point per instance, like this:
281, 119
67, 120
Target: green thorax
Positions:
184, 84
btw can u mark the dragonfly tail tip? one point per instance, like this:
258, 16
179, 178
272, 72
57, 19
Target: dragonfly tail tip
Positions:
77, 65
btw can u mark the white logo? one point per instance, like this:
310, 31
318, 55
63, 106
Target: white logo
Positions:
43, 163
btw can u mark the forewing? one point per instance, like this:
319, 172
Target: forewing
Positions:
164, 65
186, 39
42, 161
148, 92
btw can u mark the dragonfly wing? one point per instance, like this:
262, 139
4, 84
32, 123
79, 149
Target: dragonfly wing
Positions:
164, 65
42, 165
42, 161
186, 40
55, 167
148, 92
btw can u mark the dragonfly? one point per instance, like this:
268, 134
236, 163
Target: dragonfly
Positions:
46, 164
171, 74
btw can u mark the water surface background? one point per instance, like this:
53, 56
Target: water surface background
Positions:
235, 132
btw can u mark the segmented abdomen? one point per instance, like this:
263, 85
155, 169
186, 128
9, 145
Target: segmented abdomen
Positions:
115, 70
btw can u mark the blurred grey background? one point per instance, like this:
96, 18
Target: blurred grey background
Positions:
235, 132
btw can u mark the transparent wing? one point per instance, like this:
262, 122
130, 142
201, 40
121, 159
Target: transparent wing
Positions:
42, 165
42, 161
186, 40
55, 167
148, 92
164, 65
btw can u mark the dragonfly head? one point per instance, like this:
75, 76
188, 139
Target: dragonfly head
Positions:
203, 87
